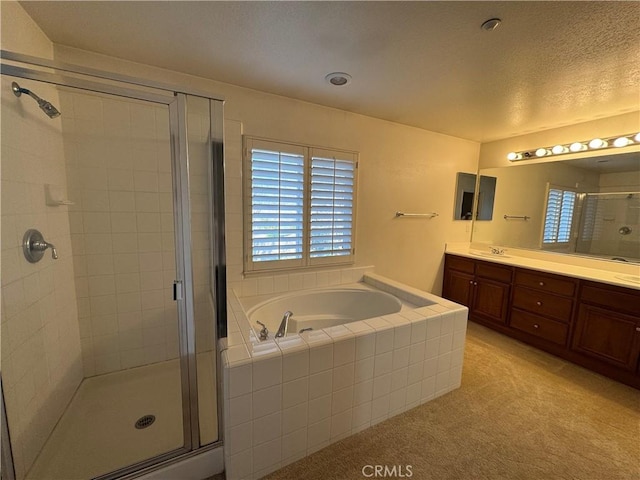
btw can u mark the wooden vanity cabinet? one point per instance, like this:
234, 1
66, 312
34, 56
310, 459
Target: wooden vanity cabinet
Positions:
484, 287
608, 325
542, 305
593, 324
459, 275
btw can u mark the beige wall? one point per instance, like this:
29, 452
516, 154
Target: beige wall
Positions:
401, 168
41, 360
620, 182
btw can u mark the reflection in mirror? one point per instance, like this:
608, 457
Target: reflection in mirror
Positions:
486, 197
465, 189
465, 197
589, 206
609, 224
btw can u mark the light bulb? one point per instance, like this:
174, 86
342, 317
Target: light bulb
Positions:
541, 152
621, 142
512, 156
576, 147
597, 143
637, 137
558, 149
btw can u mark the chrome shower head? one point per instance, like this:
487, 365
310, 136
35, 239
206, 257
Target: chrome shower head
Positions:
45, 106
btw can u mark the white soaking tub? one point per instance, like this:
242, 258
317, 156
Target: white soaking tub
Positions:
322, 308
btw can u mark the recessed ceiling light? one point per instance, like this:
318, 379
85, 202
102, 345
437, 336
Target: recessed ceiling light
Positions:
491, 24
338, 79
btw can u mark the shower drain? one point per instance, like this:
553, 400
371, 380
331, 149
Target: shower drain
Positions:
146, 421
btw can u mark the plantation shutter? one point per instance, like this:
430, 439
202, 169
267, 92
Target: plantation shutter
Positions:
277, 205
559, 216
331, 207
299, 205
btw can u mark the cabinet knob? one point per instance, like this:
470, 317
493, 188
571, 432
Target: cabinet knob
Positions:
470, 282
539, 303
637, 329
475, 283
541, 284
535, 325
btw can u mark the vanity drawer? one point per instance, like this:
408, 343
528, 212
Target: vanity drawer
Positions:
624, 300
495, 272
460, 263
542, 303
546, 283
541, 327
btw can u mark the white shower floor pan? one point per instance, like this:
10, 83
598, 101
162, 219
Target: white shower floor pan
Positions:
97, 434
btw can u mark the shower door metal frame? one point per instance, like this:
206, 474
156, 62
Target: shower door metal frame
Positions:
175, 99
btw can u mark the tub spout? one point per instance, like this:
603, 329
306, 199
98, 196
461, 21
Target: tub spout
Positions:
284, 324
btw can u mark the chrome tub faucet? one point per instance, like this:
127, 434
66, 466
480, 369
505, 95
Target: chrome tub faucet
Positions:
284, 324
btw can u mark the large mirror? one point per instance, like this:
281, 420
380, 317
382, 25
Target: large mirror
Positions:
588, 206
466, 187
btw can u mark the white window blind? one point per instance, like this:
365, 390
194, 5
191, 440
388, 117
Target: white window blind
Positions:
299, 205
277, 196
332, 187
559, 216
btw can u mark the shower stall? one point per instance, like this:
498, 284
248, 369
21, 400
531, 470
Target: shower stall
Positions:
609, 225
113, 272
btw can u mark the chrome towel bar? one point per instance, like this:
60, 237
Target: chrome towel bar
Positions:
521, 217
427, 215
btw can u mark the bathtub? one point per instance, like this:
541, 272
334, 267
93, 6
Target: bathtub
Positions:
378, 348
323, 308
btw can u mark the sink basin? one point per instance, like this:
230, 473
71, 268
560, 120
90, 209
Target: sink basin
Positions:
629, 278
489, 254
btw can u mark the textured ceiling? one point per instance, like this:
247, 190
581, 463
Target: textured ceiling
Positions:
426, 64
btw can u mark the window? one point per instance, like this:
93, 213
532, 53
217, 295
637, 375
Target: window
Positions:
558, 218
299, 205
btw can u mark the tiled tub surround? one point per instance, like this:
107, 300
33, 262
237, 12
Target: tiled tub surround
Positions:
286, 399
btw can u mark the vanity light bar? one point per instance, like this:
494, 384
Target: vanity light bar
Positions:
617, 141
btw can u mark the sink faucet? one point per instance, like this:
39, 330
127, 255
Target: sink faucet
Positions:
284, 324
497, 251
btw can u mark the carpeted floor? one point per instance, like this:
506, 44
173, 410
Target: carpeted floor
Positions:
520, 414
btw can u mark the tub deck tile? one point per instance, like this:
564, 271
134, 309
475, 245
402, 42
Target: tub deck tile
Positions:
360, 328
338, 332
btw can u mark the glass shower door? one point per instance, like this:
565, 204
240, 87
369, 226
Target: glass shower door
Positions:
91, 368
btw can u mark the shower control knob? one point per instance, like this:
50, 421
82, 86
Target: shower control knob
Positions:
34, 245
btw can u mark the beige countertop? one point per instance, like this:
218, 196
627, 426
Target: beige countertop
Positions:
586, 269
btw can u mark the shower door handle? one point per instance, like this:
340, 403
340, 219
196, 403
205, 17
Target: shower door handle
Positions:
178, 293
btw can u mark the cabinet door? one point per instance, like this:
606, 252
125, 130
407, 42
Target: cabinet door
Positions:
490, 300
609, 336
457, 287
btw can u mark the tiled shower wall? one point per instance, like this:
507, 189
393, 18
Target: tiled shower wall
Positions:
41, 359
118, 162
